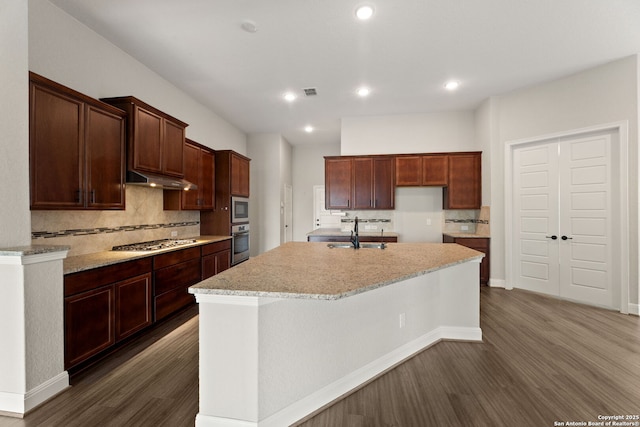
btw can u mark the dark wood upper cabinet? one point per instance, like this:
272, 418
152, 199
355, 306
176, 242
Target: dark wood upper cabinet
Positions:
359, 182
199, 167
231, 179
464, 190
408, 171
338, 182
155, 140
422, 170
76, 149
240, 185
435, 170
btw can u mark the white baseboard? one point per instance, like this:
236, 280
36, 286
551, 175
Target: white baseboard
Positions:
634, 309
317, 400
17, 404
497, 283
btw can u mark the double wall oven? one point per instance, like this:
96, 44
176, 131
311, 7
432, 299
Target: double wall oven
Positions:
239, 229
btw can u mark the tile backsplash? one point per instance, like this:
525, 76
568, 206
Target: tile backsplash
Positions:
467, 221
94, 231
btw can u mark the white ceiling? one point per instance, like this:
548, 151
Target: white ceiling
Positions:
405, 53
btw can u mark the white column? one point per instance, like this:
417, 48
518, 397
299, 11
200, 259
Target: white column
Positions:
31, 327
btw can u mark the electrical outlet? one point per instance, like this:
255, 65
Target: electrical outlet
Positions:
428, 221
174, 234
464, 227
402, 320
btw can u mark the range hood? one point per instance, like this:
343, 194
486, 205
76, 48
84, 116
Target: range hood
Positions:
158, 181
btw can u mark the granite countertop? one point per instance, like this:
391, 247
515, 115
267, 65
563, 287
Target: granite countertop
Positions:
332, 232
468, 235
32, 250
315, 271
78, 263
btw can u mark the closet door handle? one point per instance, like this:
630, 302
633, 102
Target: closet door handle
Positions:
554, 237
567, 238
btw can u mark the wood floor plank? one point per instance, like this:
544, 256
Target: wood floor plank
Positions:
541, 360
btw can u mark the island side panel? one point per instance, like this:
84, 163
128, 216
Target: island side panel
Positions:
309, 352
228, 335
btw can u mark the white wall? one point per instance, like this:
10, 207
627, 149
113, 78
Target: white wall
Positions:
600, 95
270, 157
410, 133
308, 170
15, 224
413, 133
66, 51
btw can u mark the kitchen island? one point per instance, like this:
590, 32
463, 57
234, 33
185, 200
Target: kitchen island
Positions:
289, 331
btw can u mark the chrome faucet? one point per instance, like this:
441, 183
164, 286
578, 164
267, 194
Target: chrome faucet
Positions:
355, 240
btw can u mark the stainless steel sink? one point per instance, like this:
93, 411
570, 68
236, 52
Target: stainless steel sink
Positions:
362, 245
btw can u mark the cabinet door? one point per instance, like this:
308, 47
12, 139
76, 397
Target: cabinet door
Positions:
133, 305
408, 171
191, 199
240, 185
215, 263
104, 145
362, 183
383, 183
435, 170
147, 141
89, 324
173, 149
463, 190
56, 127
337, 176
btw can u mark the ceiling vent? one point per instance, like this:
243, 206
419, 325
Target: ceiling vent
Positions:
310, 91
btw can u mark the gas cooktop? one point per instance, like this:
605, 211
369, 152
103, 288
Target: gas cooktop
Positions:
153, 245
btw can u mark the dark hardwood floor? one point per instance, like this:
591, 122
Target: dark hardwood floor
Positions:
542, 361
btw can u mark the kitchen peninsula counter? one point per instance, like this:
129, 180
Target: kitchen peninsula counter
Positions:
79, 263
293, 329
313, 270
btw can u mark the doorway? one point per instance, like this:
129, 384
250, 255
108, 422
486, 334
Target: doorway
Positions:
567, 217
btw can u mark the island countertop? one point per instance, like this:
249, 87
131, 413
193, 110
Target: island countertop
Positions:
315, 271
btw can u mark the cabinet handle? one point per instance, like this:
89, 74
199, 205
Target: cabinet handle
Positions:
78, 197
93, 196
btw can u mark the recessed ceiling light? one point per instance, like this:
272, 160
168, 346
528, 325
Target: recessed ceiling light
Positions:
364, 12
289, 96
363, 91
452, 85
308, 129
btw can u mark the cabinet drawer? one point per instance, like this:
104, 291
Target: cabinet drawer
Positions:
85, 280
216, 247
180, 275
175, 257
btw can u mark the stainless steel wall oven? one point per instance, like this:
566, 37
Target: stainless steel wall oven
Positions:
239, 243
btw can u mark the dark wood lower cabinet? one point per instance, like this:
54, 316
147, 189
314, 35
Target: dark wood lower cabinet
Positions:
216, 257
89, 324
173, 273
104, 306
480, 244
133, 305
